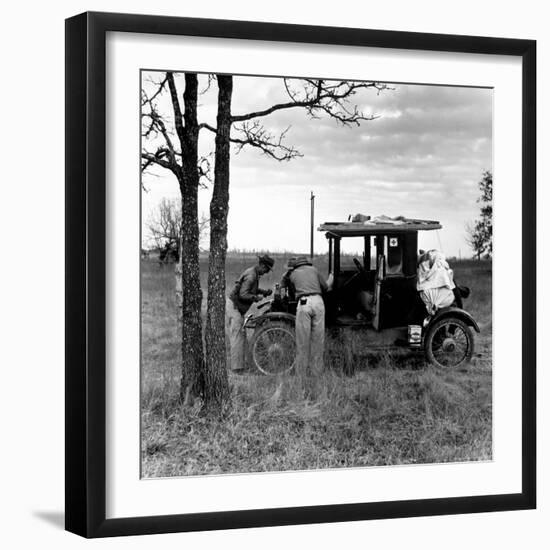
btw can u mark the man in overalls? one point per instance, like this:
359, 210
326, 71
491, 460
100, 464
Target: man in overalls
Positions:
309, 287
245, 292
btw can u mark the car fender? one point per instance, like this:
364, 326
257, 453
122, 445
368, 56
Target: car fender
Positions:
252, 322
455, 312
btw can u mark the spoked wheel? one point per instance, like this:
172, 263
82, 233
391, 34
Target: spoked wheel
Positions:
449, 343
274, 348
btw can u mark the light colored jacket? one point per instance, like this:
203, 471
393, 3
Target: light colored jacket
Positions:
306, 280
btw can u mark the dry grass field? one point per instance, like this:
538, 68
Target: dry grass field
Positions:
393, 409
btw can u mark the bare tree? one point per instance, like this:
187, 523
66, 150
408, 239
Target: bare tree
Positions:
319, 98
216, 372
177, 151
164, 225
479, 235
475, 239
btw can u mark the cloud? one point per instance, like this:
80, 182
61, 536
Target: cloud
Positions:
423, 156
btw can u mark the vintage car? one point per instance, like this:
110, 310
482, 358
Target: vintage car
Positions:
375, 293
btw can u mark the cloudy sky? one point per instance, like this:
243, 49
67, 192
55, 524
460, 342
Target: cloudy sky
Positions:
422, 157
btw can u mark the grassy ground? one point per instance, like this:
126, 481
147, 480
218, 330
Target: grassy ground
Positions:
394, 409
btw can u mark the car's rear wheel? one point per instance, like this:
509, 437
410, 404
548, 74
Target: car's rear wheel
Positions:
273, 347
449, 343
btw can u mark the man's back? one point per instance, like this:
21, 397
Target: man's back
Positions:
307, 281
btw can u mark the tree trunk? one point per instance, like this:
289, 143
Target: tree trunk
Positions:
216, 383
192, 379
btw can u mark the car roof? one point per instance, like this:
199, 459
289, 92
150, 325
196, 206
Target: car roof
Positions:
377, 225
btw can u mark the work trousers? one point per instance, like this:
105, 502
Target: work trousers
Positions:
310, 335
236, 334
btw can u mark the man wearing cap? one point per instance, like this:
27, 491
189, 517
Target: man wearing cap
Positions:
245, 292
308, 286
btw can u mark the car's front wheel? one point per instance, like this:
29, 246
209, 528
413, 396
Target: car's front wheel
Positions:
273, 347
449, 343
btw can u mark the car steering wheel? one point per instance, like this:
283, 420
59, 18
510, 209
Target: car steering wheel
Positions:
356, 276
359, 267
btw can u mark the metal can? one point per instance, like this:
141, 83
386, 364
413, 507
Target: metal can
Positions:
415, 335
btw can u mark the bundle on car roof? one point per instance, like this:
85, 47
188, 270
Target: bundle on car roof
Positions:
361, 224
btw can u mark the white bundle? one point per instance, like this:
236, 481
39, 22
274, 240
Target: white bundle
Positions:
435, 281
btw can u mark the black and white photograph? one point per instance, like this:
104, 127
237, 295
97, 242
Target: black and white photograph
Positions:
259, 290
316, 273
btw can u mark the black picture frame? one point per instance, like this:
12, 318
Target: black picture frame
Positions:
86, 274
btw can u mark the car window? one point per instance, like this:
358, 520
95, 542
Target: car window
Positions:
351, 247
393, 249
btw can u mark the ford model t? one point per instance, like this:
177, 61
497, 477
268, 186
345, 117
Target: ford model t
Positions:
375, 293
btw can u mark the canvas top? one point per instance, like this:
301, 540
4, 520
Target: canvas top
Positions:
366, 225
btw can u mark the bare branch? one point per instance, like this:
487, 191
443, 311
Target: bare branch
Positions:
321, 96
255, 135
160, 127
204, 168
153, 126
178, 117
157, 93
164, 224
210, 79
162, 157
207, 127
272, 109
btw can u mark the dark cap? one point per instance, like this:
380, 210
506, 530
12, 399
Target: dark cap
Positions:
267, 261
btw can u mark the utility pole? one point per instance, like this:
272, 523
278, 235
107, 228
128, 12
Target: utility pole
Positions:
312, 200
